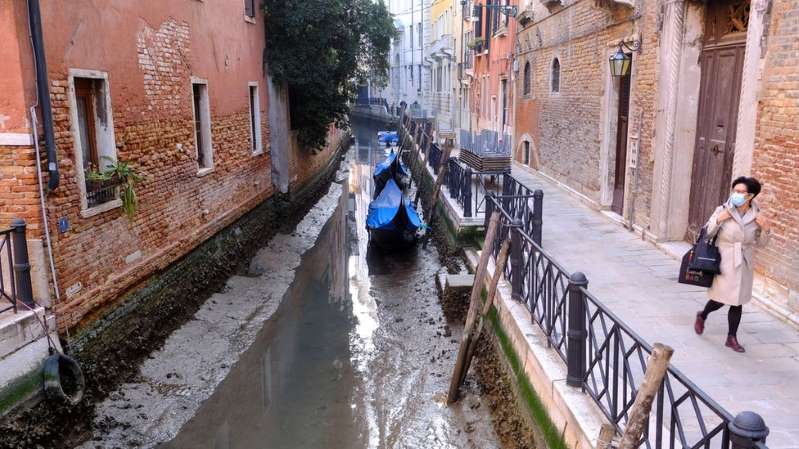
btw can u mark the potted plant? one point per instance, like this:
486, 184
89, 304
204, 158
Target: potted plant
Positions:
476, 43
121, 174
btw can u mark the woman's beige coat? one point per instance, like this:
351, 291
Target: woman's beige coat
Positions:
737, 237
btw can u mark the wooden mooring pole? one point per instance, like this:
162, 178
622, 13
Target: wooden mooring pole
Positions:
656, 368
502, 258
442, 172
474, 305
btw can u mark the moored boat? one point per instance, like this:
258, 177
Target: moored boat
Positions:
391, 169
392, 220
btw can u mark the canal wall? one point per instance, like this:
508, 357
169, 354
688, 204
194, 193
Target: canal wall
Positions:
111, 345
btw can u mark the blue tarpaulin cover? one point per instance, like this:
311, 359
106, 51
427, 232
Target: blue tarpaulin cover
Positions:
383, 209
383, 166
388, 136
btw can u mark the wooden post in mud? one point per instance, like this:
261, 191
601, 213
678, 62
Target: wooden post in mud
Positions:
474, 304
442, 172
502, 258
656, 368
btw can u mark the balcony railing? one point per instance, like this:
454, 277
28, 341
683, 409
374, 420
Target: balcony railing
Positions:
99, 192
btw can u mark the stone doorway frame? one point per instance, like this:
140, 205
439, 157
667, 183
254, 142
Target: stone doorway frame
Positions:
677, 105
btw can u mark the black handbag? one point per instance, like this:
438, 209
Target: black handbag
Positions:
691, 276
706, 256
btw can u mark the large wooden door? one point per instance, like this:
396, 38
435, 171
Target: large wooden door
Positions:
622, 123
721, 64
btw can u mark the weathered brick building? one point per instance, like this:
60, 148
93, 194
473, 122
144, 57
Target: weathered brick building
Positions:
178, 89
492, 41
712, 93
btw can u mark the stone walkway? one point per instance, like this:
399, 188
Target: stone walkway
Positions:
638, 282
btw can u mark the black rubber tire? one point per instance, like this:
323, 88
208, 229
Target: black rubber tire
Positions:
61, 369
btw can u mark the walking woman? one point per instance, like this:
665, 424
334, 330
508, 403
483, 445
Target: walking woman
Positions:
740, 226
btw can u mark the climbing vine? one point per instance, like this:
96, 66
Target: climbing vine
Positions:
321, 50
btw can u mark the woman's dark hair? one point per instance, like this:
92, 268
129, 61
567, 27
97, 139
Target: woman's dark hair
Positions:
752, 185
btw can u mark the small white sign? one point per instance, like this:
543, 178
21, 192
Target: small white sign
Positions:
73, 289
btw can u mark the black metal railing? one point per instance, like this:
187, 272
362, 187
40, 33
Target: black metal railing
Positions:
99, 192
434, 157
15, 279
603, 355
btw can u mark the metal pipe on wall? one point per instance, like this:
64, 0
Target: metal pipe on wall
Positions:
43, 91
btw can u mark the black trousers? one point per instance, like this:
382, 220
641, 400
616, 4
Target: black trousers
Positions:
733, 316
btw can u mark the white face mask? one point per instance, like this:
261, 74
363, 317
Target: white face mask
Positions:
738, 199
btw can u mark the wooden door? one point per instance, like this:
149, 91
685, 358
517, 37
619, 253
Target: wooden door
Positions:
622, 123
715, 132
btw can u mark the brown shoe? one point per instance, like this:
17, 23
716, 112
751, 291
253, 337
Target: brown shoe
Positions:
732, 343
699, 324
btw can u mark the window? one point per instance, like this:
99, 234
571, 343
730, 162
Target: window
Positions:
411, 37
526, 153
249, 8
419, 30
555, 75
202, 125
478, 25
93, 134
255, 120
527, 80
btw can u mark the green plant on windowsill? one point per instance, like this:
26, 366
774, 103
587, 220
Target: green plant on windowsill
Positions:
476, 43
121, 173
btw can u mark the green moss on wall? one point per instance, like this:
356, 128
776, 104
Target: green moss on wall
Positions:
528, 394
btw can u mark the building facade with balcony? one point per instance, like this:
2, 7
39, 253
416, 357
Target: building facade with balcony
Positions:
409, 74
441, 55
491, 42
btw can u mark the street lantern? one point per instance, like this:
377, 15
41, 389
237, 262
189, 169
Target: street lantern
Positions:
620, 61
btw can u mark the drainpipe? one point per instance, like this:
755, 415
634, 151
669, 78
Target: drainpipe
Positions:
43, 91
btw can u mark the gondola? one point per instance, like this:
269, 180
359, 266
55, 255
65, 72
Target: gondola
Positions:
391, 169
388, 137
392, 220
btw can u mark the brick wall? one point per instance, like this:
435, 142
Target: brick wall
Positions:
776, 154
19, 192
150, 66
305, 164
568, 130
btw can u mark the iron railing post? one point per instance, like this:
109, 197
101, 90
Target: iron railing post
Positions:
489, 210
466, 191
575, 358
747, 429
22, 266
538, 216
516, 260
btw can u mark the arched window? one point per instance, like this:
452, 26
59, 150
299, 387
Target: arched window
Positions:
555, 75
527, 76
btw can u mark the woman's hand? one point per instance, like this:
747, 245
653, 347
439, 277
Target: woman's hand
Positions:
725, 215
762, 221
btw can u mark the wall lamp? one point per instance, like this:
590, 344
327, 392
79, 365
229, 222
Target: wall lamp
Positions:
620, 61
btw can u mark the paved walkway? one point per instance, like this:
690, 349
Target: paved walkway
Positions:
639, 282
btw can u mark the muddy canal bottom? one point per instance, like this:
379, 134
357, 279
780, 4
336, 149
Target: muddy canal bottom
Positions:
357, 356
